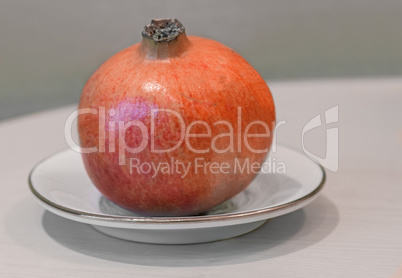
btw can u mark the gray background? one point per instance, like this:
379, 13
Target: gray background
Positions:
48, 48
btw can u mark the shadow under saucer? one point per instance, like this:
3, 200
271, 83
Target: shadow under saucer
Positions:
279, 236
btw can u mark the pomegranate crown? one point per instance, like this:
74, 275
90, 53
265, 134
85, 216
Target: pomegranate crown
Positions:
163, 30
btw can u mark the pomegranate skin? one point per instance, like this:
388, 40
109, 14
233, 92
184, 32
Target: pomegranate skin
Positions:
199, 80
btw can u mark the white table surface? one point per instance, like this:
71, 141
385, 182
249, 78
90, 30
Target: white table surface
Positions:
354, 229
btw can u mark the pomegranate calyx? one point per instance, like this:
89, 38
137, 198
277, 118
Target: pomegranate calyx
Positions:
163, 30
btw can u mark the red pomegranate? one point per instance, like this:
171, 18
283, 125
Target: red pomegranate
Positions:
176, 125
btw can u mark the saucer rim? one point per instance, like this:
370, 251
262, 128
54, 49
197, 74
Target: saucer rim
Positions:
252, 214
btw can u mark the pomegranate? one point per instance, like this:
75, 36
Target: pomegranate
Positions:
175, 124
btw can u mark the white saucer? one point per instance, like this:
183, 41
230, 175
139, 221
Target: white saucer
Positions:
62, 186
